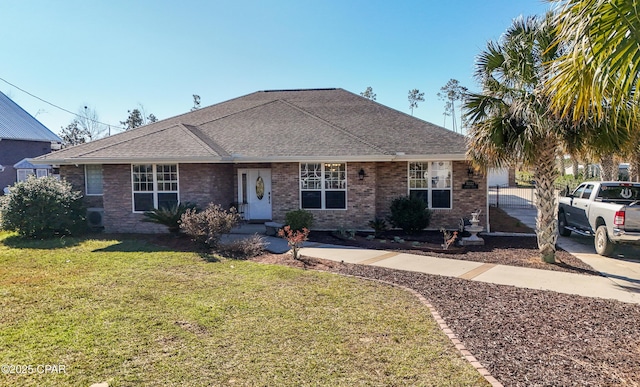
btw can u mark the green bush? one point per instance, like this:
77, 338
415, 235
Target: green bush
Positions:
43, 208
169, 217
409, 214
206, 227
299, 219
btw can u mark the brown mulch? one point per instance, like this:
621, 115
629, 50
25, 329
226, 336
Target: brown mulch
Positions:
523, 337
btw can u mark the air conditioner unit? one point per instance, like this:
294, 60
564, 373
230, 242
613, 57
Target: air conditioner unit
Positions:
95, 217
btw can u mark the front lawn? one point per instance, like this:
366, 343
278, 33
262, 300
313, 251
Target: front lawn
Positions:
131, 313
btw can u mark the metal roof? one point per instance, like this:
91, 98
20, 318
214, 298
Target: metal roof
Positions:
17, 124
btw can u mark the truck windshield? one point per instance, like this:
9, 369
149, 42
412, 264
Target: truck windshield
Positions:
630, 193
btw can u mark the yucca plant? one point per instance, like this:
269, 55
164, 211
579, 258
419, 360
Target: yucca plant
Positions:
169, 216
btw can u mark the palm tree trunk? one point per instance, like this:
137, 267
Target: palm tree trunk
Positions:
575, 166
608, 168
546, 173
634, 165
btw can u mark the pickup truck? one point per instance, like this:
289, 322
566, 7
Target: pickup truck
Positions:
609, 211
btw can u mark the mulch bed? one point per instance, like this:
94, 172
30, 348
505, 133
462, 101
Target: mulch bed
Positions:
523, 337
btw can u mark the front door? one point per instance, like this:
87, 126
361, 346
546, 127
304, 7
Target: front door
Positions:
254, 190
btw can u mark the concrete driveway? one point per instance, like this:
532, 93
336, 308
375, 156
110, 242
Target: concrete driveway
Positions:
623, 269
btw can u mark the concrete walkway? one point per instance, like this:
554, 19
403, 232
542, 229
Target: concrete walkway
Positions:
622, 281
623, 269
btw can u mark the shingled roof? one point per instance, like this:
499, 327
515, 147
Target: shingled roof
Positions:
17, 124
276, 125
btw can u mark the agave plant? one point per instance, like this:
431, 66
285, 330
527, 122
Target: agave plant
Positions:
169, 216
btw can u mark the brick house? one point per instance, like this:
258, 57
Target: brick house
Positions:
21, 137
329, 151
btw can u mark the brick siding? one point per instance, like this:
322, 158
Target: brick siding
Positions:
75, 176
217, 183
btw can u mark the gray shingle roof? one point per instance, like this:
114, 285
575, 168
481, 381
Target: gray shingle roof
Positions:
277, 126
17, 124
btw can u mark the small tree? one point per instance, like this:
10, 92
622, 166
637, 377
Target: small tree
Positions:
295, 239
415, 96
410, 214
196, 102
450, 93
369, 94
73, 134
44, 208
206, 227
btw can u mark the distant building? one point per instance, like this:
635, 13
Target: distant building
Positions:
21, 137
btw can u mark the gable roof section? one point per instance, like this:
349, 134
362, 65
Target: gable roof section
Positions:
17, 124
287, 125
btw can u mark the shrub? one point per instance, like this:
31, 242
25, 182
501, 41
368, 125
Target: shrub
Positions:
4, 201
379, 226
409, 214
243, 248
44, 208
295, 238
299, 219
170, 216
206, 227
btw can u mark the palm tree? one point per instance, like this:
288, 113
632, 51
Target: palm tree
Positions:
600, 70
510, 120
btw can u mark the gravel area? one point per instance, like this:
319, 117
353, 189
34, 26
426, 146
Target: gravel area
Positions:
523, 337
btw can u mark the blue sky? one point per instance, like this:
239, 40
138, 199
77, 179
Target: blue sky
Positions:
116, 55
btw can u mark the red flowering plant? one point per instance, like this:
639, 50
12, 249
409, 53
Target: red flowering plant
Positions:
449, 238
295, 238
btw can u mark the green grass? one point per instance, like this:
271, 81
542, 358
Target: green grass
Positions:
131, 313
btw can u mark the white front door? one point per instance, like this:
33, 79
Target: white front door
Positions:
254, 189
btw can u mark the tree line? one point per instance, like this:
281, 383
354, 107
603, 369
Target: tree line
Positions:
86, 126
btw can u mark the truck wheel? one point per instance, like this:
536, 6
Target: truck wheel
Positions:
562, 225
603, 245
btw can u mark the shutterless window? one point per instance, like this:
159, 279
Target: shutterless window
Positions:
23, 174
154, 186
323, 185
93, 179
431, 182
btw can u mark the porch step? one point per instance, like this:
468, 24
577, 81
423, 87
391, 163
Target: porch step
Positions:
273, 228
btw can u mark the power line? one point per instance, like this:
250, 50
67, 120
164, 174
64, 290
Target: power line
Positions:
61, 108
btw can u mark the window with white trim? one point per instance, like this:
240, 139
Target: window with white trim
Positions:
431, 182
24, 173
154, 186
323, 186
93, 179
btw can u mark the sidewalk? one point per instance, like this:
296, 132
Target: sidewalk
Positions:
621, 282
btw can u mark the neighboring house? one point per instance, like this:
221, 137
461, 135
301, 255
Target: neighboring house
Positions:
21, 137
329, 151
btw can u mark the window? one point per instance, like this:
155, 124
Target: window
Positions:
23, 174
323, 186
93, 179
431, 182
41, 172
587, 191
154, 186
